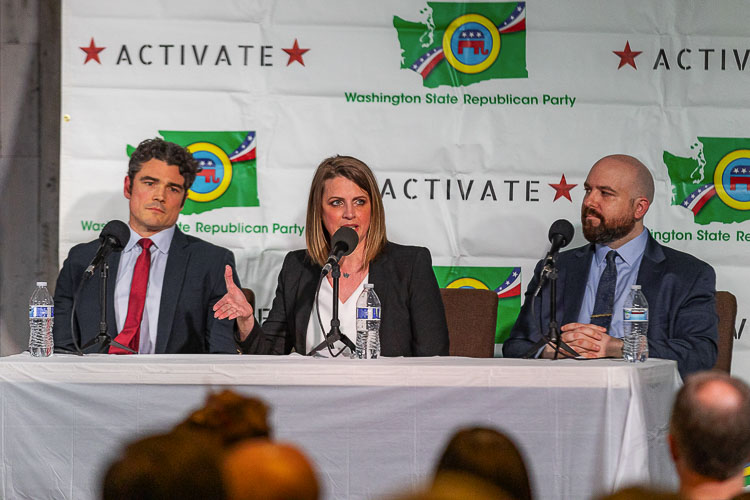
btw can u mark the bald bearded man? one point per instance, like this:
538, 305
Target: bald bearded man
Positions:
679, 288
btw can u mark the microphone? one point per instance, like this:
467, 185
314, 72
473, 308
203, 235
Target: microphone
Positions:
560, 234
343, 242
113, 237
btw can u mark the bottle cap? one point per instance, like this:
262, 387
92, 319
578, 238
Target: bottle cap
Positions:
368, 285
41, 283
636, 287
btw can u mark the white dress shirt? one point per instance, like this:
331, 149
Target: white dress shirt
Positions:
628, 263
159, 253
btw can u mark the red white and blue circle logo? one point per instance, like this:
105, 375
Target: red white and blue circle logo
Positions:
215, 175
732, 179
471, 43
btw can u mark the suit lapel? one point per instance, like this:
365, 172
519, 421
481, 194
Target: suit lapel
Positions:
571, 293
377, 276
305, 300
651, 271
174, 276
381, 275
113, 261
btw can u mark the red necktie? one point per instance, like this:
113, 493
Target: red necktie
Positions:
131, 333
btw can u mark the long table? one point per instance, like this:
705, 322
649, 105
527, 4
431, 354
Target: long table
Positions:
373, 427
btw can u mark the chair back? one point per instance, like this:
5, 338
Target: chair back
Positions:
472, 320
726, 309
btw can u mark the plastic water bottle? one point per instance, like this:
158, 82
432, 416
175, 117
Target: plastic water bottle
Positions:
41, 319
635, 326
368, 324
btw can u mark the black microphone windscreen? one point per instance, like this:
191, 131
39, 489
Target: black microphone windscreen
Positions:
561, 229
346, 236
117, 232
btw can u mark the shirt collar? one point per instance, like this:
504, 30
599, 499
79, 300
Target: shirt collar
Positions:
629, 252
162, 240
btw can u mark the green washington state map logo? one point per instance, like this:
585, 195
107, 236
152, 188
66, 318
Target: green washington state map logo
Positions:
459, 44
714, 183
228, 170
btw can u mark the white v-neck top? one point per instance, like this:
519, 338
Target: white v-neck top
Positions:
347, 317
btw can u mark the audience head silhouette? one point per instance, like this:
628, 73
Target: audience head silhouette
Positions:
230, 418
263, 470
710, 435
490, 455
162, 467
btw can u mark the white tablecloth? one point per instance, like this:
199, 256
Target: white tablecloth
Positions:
372, 427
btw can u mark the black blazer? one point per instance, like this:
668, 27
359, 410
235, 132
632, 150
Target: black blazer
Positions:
680, 290
413, 319
193, 283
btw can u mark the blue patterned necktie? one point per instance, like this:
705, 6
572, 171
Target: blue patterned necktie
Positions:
605, 293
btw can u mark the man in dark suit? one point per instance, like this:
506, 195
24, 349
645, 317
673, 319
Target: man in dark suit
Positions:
679, 288
163, 285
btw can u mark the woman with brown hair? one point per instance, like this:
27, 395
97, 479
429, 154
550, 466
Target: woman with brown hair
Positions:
344, 192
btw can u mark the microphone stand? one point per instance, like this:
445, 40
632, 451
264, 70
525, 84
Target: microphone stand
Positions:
103, 338
335, 334
553, 336
553, 331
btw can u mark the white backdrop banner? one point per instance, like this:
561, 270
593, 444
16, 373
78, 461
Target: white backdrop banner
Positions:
480, 121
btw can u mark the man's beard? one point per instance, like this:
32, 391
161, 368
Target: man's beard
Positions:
607, 231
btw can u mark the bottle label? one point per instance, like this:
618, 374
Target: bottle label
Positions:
362, 313
41, 312
635, 314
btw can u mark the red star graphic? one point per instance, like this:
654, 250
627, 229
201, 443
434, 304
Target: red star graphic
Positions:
627, 56
92, 52
563, 189
295, 53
